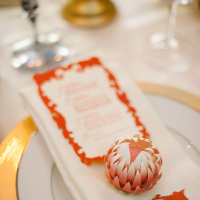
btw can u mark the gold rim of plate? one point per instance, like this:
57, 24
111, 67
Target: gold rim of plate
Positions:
181, 96
14, 145
9, 2
11, 151
90, 14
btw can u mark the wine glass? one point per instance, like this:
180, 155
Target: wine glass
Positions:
40, 51
166, 52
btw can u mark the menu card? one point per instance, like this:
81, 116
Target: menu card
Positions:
88, 104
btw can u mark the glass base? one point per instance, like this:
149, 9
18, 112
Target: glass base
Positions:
92, 13
172, 56
39, 55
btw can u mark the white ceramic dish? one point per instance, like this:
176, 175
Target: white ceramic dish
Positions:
38, 177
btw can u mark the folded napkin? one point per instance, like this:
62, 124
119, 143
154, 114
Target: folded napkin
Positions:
81, 109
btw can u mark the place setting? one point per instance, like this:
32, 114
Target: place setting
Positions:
55, 151
92, 131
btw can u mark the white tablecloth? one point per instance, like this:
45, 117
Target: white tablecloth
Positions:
121, 42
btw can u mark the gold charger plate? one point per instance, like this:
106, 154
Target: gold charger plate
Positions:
11, 150
14, 145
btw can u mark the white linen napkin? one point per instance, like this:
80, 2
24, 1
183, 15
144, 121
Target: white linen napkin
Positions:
89, 182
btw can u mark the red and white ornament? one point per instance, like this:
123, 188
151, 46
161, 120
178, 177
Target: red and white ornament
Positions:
133, 165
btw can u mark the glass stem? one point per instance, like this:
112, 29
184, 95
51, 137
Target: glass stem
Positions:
32, 17
172, 21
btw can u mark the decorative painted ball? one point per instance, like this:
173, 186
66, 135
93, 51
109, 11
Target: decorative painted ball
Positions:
133, 165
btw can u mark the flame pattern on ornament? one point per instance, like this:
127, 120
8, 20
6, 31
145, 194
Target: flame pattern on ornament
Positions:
133, 165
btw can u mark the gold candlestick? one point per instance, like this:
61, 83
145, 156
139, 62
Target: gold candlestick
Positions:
89, 13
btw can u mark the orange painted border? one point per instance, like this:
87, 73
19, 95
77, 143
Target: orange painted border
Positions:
60, 120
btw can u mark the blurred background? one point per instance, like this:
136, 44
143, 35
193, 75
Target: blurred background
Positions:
120, 41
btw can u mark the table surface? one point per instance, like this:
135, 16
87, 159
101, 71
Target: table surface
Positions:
120, 42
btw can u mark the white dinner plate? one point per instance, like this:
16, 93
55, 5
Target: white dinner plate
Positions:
38, 177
